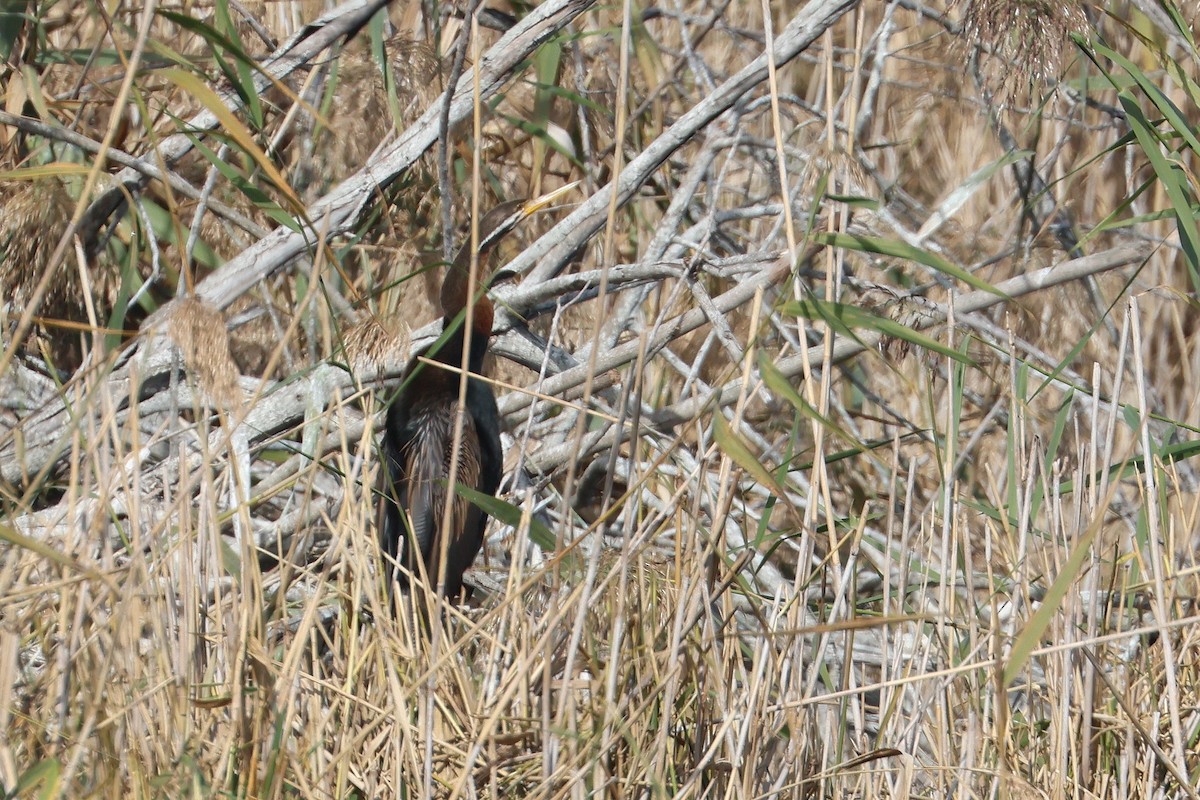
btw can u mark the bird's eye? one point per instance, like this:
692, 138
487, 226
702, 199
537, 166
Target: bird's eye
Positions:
503, 276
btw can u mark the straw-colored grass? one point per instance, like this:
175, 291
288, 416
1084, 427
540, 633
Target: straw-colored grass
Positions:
850, 413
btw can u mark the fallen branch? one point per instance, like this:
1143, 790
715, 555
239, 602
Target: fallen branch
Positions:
549, 459
308, 43
553, 251
342, 208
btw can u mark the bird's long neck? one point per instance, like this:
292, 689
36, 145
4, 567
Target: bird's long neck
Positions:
455, 295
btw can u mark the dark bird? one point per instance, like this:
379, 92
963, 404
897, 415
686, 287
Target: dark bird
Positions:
419, 437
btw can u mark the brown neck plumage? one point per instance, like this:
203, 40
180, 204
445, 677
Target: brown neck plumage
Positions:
456, 291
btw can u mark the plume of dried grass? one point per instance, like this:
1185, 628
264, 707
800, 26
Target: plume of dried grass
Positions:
1024, 42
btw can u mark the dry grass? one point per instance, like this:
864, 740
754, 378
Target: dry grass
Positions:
744, 556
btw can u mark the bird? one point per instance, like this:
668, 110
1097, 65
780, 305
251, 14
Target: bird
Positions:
418, 436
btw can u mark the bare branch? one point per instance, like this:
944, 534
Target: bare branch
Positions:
548, 459
341, 209
552, 252
305, 45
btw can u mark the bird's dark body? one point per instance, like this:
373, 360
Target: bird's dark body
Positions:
419, 438
418, 447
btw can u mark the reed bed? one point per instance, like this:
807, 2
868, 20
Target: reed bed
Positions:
850, 399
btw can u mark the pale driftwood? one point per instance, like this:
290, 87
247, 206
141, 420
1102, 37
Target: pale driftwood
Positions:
341, 209
308, 43
1066, 272
552, 252
44, 434
548, 459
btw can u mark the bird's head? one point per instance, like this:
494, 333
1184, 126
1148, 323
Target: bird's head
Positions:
492, 228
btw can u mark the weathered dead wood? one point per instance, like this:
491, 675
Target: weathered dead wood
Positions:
148, 168
550, 254
1021, 285
342, 208
308, 43
41, 437
548, 459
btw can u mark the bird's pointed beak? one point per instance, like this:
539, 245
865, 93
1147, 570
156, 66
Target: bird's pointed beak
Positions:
522, 212
544, 201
